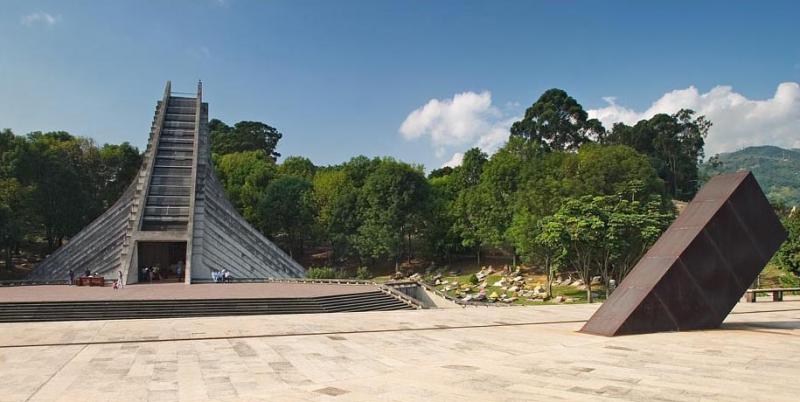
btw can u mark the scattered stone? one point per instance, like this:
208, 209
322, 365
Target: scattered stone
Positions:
560, 299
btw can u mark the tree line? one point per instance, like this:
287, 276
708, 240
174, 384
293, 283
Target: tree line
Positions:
564, 193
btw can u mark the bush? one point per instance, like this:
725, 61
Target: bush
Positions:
473, 279
363, 273
321, 273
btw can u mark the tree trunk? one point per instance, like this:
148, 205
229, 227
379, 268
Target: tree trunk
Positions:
588, 285
549, 276
9, 260
479, 257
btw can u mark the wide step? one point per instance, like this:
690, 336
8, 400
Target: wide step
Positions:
144, 309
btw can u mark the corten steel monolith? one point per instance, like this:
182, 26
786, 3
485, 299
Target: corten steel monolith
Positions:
699, 268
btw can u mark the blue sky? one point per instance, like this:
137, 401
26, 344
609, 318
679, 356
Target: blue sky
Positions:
340, 78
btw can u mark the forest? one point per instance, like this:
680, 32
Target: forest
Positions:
564, 194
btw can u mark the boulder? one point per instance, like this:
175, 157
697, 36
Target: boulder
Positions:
560, 299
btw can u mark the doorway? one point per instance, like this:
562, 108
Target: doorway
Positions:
161, 262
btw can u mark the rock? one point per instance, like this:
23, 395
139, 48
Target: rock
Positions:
493, 296
499, 283
569, 300
518, 278
479, 297
448, 288
511, 299
538, 289
437, 282
596, 280
578, 283
513, 289
415, 277
560, 299
481, 275
467, 298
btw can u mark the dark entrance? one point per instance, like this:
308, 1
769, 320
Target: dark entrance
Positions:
161, 261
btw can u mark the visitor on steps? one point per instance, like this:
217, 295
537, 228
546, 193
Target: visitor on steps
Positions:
71, 277
226, 275
179, 270
119, 279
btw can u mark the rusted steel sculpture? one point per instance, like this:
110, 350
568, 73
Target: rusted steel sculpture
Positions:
699, 268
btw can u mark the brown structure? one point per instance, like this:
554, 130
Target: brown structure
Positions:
700, 267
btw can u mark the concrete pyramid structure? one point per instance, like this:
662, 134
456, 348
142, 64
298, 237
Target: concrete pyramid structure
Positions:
174, 214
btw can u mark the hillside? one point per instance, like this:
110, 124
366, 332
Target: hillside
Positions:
776, 169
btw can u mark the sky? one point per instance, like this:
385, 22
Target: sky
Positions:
421, 81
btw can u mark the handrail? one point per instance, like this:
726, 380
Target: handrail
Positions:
411, 301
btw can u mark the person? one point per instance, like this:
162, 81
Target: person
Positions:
179, 270
214, 276
71, 277
226, 276
88, 273
119, 279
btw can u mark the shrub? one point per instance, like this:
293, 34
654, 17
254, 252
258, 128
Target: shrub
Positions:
473, 279
321, 273
363, 273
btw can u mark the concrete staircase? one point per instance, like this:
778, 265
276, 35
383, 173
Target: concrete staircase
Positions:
144, 309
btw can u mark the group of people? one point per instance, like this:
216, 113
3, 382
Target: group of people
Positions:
86, 274
221, 276
155, 273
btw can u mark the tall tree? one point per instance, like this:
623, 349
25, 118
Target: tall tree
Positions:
243, 136
287, 211
297, 166
674, 144
245, 176
557, 121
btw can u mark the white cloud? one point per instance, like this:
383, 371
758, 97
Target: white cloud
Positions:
456, 160
465, 120
39, 18
738, 122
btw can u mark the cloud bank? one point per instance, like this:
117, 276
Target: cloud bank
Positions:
738, 122
39, 18
468, 119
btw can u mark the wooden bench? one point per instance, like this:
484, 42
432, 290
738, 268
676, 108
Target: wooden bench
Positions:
91, 281
777, 293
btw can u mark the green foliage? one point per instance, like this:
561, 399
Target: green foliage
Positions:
242, 137
776, 169
287, 211
473, 279
321, 273
674, 144
363, 273
245, 176
389, 209
788, 256
297, 166
558, 122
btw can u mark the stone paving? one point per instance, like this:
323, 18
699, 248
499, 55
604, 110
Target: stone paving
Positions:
495, 354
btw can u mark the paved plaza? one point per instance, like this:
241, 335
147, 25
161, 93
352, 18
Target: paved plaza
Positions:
490, 354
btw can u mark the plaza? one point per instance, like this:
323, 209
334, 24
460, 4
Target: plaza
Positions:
497, 354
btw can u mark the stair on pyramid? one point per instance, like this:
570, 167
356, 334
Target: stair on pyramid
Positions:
174, 198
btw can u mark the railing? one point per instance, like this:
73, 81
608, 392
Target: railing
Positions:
411, 301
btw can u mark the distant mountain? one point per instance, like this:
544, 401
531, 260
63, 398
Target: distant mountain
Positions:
776, 169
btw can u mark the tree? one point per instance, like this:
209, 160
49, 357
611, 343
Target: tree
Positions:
297, 166
558, 122
62, 188
243, 136
392, 199
12, 217
245, 176
287, 211
788, 256
119, 165
674, 144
